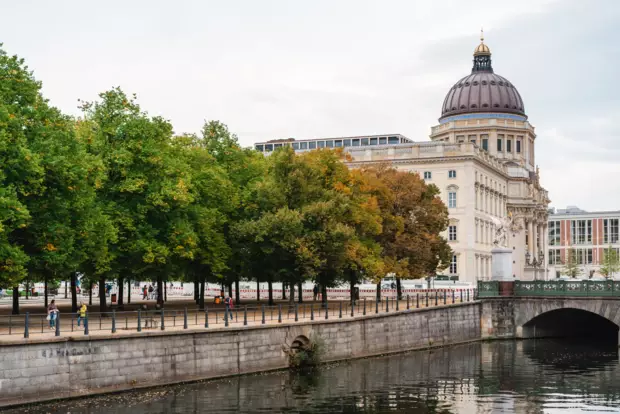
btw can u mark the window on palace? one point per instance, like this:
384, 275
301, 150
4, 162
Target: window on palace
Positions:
382, 140
452, 233
295, 145
320, 144
303, 145
509, 145
452, 174
499, 143
356, 142
610, 231
427, 175
364, 142
259, 147
329, 144
473, 139
268, 147
555, 257
554, 233
347, 142
277, 146
393, 140
518, 146
312, 145
453, 265
485, 144
452, 199
581, 231
460, 138
338, 143
584, 256
373, 141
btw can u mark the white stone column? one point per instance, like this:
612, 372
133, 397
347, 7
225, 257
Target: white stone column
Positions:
536, 233
530, 235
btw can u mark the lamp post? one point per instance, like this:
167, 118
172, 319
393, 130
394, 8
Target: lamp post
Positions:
535, 262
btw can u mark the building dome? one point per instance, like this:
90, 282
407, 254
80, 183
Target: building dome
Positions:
482, 90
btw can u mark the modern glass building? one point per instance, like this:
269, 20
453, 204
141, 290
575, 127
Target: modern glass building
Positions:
310, 144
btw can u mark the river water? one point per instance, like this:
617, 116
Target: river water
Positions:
543, 376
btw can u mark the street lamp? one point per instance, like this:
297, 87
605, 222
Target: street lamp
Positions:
535, 262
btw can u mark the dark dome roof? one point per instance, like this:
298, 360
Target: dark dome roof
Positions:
482, 91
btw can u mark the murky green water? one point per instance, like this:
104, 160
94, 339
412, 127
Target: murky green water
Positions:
549, 376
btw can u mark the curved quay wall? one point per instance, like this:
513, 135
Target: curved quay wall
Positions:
69, 367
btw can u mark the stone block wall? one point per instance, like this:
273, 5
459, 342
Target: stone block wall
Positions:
35, 371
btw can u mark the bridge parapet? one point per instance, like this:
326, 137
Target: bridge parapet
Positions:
581, 288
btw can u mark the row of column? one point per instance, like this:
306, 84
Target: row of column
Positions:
537, 236
483, 266
490, 202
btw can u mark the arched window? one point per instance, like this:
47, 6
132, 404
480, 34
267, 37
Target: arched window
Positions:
452, 190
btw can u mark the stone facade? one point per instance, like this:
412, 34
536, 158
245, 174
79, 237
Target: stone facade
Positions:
33, 370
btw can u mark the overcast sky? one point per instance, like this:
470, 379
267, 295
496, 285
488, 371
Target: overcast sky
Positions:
322, 68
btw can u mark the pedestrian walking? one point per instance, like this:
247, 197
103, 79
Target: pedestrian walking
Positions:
315, 291
82, 314
52, 314
145, 292
151, 290
230, 304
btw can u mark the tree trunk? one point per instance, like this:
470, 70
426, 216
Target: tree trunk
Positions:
324, 295
74, 307
237, 295
45, 289
128, 292
90, 293
291, 301
284, 287
102, 298
399, 290
201, 295
196, 290
15, 300
300, 296
378, 291
66, 293
230, 290
257, 290
27, 285
121, 293
160, 291
165, 292
270, 288
352, 288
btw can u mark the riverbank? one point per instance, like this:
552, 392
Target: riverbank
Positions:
75, 367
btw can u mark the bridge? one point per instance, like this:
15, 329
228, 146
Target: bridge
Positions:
540, 309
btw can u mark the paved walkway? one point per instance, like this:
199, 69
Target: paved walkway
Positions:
12, 328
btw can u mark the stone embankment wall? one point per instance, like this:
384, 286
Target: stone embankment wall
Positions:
36, 371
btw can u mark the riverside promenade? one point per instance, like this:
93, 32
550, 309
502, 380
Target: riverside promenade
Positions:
141, 318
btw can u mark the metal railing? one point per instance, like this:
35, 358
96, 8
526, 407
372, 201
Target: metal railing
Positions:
587, 288
112, 322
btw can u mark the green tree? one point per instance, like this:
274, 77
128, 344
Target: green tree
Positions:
571, 264
610, 263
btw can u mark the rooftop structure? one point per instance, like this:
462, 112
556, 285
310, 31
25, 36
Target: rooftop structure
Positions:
341, 142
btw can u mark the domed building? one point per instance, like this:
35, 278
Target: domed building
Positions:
481, 156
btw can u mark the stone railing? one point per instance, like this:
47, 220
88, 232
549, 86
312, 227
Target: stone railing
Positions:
591, 288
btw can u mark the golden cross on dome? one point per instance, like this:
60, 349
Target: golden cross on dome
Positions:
481, 35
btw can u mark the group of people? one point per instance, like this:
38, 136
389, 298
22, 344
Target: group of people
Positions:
52, 314
149, 293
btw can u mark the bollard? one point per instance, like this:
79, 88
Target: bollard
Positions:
139, 321
352, 308
206, 317
453, 296
279, 313
376, 306
226, 316
57, 323
26, 332
436, 298
185, 318
397, 301
326, 311
113, 321
245, 315
417, 301
444, 297
387, 304
408, 302
364, 312
296, 313
340, 312
162, 318
86, 325
467, 295
263, 311
312, 311
461, 296
427, 298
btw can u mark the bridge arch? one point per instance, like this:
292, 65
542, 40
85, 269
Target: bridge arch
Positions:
574, 317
